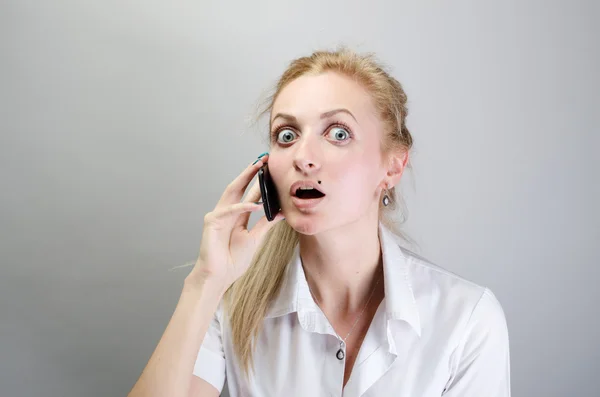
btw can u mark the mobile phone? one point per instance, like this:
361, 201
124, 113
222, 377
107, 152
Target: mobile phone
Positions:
268, 192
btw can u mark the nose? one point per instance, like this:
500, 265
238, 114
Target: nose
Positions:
305, 166
305, 159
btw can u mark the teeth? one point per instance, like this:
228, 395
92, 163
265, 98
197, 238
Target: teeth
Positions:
308, 190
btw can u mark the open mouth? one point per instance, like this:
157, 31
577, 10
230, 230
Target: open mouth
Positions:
308, 193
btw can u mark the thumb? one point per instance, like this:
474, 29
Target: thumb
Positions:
263, 226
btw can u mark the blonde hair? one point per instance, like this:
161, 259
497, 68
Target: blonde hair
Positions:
248, 299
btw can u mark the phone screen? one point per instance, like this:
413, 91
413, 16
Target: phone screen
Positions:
268, 193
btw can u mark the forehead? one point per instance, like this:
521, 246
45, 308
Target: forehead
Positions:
308, 96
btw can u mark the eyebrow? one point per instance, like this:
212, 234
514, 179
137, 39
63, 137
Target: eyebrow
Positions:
323, 116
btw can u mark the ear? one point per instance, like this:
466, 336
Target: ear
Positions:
397, 162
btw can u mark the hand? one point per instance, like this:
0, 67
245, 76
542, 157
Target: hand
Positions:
227, 246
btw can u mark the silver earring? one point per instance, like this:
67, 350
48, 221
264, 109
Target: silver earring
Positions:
386, 199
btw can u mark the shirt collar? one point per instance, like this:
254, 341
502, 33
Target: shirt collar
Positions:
400, 304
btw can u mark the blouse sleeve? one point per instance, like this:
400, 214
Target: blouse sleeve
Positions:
210, 363
481, 362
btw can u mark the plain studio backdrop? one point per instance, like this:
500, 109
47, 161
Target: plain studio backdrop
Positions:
123, 121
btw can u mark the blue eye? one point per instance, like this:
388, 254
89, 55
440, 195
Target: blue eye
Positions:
340, 134
285, 136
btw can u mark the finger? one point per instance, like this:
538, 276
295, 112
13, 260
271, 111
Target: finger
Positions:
235, 190
253, 195
226, 215
261, 228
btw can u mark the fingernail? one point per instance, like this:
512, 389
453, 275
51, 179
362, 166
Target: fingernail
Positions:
258, 202
260, 157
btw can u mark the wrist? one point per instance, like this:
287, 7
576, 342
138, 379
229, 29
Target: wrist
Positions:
205, 286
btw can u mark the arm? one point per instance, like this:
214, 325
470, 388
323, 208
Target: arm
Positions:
169, 371
481, 363
226, 250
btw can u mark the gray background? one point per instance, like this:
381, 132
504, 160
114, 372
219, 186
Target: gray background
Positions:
122, 122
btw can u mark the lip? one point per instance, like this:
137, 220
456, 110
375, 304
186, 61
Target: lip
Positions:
306, 183
306, 203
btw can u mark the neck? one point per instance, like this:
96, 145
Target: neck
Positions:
342, 265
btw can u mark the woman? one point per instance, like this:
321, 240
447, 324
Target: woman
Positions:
326, 302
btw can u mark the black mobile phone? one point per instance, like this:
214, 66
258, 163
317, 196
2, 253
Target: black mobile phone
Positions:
268, 192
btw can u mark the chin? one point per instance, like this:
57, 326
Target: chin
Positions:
307, 224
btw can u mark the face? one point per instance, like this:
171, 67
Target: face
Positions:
338, 151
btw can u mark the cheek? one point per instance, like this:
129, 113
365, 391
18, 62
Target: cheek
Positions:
276, 167
355, 180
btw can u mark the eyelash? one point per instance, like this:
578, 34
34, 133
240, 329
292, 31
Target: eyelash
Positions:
345, 126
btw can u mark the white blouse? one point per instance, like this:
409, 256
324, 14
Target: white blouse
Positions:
434, 334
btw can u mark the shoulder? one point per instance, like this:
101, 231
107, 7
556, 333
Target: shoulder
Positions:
452, 301
425, 275
468, 322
